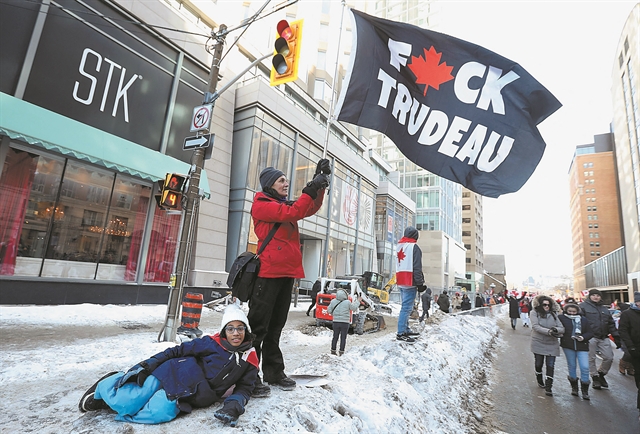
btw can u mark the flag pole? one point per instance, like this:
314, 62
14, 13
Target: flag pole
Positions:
334, 87
325, 256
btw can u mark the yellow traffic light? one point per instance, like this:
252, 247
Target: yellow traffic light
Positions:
287, 52
171, 199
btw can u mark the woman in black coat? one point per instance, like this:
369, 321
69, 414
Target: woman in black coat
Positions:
575, 344
514, 310
630, 334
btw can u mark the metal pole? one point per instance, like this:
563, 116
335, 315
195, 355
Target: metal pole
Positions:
192, 197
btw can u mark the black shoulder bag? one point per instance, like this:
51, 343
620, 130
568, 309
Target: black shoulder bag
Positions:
245, 268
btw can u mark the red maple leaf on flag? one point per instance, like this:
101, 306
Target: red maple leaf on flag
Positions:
429, 71
401, 255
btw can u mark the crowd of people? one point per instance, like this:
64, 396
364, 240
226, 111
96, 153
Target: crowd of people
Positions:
225, 367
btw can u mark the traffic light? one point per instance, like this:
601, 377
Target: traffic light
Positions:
287, 52
170, 196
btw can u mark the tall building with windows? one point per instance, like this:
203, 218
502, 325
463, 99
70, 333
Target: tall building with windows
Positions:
472, 237
594, 205
626, 130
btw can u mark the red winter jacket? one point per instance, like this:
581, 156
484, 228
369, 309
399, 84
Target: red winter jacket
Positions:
282, 256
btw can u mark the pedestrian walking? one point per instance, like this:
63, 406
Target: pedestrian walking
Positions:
443, 302
514, 310
409, 277
280, 265
465, 304
602, 324
456, 302
315, 290
426, 304
479, 300
575, 345
630, 334
183, 377
341, 308
525, 307
546, 328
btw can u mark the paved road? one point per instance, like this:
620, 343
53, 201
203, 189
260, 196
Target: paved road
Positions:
521, 407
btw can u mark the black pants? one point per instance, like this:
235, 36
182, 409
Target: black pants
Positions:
339, 329
636, 375
540, 360
268, 310
313, 303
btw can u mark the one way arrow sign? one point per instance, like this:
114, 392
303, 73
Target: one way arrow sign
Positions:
196, 142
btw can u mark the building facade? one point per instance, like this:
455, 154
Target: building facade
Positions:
626, 130
472, 237
113, 91
594, 205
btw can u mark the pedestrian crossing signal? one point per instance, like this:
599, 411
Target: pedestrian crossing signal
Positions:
287, 52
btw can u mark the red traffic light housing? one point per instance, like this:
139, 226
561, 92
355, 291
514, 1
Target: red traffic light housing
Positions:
174, 182
287, 52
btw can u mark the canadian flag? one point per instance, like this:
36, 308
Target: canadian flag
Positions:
585, 292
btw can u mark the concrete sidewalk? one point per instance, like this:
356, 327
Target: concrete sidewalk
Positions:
522, 407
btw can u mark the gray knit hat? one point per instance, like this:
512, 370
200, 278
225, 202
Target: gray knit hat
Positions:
411, 232
269, 176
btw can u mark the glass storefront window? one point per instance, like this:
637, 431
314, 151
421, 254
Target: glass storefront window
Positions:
28, 191
72, 220
79, 222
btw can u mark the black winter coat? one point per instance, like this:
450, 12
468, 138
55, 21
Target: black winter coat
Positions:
630, 328
567, 342
443, 302
600, 319
514, 307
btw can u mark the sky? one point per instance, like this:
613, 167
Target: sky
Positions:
52, 354
569, 47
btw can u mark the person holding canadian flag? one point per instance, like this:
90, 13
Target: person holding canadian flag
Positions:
410, 279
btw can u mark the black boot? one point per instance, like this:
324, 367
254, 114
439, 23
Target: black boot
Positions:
596, 382
539, 379
260, 390
88, 402
584, 385
603, 382
574, 385
549, 381
547, 386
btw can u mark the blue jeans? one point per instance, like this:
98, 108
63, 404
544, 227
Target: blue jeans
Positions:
583, 360
408, 296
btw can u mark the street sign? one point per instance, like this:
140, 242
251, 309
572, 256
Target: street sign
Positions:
196, 142
201, 119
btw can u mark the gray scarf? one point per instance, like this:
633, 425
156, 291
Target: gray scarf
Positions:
577, 327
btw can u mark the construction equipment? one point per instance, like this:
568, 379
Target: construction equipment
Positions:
364, 320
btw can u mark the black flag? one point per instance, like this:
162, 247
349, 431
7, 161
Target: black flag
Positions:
454, 108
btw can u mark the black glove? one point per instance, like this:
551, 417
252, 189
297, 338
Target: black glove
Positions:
137, 374
230, 412
617, 341
319, 182
422, 288
324, 166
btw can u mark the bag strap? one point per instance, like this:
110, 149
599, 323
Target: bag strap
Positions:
272, 232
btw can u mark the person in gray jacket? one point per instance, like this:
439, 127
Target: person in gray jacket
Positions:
602, 324
341, 308
546, 328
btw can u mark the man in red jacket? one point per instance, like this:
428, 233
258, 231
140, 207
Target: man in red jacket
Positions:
280, 265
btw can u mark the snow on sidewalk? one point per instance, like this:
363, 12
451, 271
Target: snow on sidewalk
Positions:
387, 386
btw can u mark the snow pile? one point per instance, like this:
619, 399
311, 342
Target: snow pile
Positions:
378, 385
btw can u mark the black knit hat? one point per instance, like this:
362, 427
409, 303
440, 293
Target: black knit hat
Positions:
269, 176
595, 292
412, 233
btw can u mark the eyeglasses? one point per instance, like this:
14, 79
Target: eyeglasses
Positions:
232, 329
546, 304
